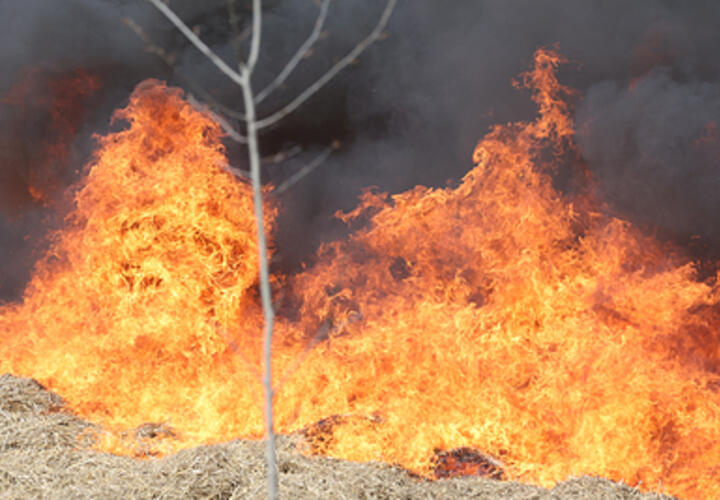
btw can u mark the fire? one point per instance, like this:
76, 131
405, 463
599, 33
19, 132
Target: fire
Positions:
500, 327
129, 316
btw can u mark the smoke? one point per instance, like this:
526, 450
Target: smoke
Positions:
410, 111
655, 147
419, 104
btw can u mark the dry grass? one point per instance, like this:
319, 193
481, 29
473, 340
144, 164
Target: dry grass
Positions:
39, 458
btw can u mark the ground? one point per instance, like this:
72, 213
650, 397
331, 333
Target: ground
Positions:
41, 456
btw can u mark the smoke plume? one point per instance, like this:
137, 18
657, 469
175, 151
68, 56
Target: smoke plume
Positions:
410, 111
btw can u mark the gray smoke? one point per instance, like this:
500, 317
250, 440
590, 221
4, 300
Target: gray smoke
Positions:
409, 112
656, 149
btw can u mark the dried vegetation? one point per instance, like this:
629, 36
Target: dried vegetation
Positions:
43, 454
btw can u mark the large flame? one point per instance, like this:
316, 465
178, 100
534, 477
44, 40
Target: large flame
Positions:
500, 316
129, 316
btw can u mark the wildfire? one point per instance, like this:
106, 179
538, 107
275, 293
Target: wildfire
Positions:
500, 326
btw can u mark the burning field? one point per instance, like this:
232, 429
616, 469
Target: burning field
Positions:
499, 327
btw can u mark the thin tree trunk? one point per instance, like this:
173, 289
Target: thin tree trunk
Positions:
265, 291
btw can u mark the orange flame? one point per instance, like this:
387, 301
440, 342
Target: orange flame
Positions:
127, 315
502, 319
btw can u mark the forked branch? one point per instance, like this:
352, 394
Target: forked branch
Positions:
199, 44
337, 68
299, 55
243, 78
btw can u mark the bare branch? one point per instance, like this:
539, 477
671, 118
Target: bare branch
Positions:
210, 100
324, 332
265, 290
337, 68
299, 55
235, 23
199, 44
242, 77
169, 60
232, 345
150, 45
227, 127
281, 156
293, 179
237, 172
255, 41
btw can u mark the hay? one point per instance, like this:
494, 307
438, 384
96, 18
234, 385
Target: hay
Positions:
41, 456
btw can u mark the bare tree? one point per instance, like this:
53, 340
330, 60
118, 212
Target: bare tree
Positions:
242, 77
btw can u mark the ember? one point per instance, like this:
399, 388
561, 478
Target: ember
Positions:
466, 462
319, 435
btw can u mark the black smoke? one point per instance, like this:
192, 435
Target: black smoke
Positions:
410, 111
